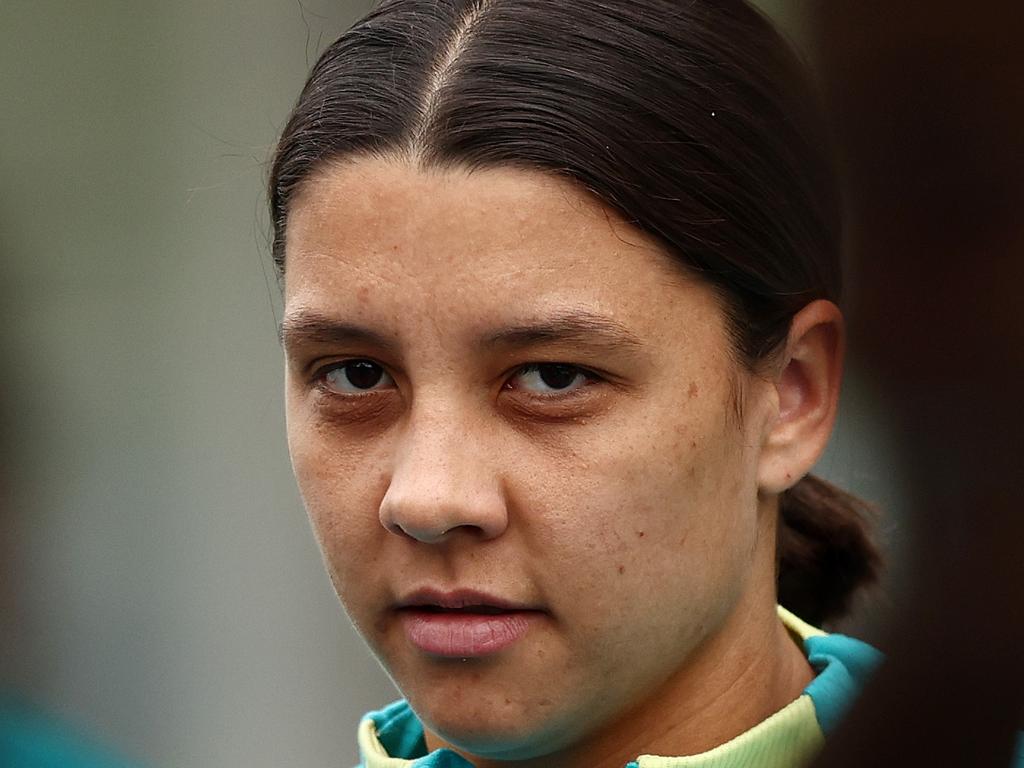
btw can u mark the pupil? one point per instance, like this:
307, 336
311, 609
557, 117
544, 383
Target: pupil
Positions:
363, 374
557, 376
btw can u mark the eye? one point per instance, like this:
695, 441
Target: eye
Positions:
357, 376
549, 378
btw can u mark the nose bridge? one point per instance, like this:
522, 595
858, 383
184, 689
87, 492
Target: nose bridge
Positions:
443, 478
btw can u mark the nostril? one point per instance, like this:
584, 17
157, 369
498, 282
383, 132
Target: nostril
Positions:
432, 507
428, 534
413, 527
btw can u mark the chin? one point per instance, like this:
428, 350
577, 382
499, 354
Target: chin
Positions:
516, 743
498, 730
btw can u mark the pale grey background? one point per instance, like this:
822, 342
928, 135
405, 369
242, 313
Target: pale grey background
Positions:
170, 598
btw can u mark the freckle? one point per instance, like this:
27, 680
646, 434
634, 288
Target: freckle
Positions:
693, 443
694, 390
362, 294
508, 701
622, 569
682, 541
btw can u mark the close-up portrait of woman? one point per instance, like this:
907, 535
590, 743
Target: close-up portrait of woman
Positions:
650, 396
562, 345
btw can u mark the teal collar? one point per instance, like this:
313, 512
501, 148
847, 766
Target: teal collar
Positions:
393, 737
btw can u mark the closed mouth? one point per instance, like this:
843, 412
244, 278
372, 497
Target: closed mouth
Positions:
484, 610
466, 601
463, 624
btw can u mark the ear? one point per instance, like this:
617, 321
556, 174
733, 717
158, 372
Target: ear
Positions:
807, 387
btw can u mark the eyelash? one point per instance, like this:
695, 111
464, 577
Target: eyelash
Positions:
589, 378
320, 377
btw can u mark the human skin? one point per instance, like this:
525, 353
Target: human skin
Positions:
633, 511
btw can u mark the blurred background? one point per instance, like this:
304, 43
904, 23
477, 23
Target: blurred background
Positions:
159, 585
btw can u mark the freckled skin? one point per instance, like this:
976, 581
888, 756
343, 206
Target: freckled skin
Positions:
631, 515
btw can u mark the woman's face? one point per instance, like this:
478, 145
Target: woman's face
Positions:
516, 428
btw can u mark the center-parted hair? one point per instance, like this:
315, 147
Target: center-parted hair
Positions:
693, 120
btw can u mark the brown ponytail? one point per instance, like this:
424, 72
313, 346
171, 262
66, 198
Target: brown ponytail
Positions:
825, 550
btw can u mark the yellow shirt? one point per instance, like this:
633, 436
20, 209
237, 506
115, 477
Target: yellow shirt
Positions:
393, 737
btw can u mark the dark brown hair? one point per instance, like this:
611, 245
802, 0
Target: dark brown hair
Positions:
693, 120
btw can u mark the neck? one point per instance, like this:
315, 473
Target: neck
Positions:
745, 672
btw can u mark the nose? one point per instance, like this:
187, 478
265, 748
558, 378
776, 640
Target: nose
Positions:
442, 482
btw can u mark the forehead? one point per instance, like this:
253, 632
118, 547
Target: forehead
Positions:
481, 246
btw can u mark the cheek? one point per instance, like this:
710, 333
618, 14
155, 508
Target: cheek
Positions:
652, 507
341, 488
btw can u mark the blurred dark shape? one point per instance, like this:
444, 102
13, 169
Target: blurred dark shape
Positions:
927, 105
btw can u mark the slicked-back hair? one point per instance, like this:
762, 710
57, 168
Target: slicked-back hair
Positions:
693, 120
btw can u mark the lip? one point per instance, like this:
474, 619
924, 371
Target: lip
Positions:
463, 623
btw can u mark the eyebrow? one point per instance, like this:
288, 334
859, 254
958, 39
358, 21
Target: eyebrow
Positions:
574, 328
309, 327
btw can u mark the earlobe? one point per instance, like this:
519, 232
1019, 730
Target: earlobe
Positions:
807, 386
